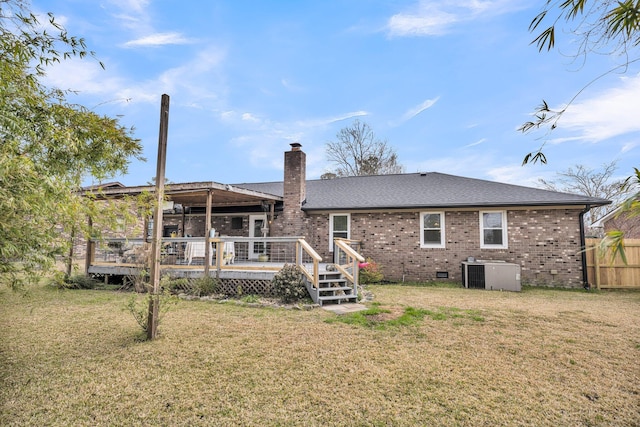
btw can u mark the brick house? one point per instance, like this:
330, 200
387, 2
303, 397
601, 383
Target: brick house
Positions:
617, 220
417, 226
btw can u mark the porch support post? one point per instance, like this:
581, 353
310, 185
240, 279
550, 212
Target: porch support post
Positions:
184, 216
272, 208
207, 230
89, 252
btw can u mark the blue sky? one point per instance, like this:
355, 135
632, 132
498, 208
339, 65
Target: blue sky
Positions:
446, 83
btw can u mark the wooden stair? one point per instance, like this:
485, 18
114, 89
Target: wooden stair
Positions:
332, 289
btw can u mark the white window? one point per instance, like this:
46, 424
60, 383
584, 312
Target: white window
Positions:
339, 226
493, 229
432, 230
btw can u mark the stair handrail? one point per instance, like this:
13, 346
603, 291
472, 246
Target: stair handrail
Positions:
313, 276
353, 258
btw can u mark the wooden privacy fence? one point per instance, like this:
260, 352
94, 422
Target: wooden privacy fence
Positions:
606, 272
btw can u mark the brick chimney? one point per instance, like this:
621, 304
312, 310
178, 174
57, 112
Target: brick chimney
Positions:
295, 166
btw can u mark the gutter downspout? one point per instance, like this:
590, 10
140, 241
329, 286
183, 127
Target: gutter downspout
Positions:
583, 248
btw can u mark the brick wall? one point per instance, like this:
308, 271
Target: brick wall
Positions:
194, 225
545, 243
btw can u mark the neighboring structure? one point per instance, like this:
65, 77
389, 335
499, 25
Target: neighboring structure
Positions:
417, 227
616, 220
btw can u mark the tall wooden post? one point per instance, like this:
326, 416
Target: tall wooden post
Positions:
207, 229
156, 243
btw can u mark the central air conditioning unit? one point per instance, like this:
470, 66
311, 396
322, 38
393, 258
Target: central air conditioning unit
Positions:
492, 275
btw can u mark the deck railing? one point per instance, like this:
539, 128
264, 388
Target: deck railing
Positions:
347, 260
308, 260
225, 253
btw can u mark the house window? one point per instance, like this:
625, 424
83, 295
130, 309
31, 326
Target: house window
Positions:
432, 230
339, 226
236, 223
493, 229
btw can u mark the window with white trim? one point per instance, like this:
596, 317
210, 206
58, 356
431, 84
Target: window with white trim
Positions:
432, 230
493, 229
339, 226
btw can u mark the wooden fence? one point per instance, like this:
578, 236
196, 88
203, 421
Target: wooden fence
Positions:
607, 272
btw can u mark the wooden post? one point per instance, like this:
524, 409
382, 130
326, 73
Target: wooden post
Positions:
184, 216
596, 268
207, 229
272, 214
70, 254
156, 243
88, 258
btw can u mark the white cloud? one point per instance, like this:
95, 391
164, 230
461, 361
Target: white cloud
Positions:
158, 39
437, 17
478, 142
497, 168
457, 165
250, 118
629, 146
132, 15
426, 23
84, 76
606, 115
514, 174
411, 113
137, 6
328, 120
291, 86
193, 79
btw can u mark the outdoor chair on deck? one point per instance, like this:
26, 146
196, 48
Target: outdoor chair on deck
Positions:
229, 253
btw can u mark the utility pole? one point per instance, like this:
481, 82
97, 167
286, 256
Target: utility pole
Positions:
156, 243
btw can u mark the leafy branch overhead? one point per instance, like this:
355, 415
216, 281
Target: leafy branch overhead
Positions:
607, 27
601, 23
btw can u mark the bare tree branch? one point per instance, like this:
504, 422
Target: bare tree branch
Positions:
357, 151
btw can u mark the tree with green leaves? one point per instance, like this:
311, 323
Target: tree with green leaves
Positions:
358, 151
48, 147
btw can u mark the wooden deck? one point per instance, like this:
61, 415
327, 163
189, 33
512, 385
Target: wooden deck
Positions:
248, 263
262, 270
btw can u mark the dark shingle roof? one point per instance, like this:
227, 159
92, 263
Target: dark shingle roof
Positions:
421, 190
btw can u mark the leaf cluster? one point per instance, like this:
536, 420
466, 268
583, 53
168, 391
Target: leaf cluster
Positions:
601, 23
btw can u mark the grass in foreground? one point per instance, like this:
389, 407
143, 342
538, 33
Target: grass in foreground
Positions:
539, 358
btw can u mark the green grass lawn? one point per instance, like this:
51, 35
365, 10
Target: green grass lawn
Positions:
463, 357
